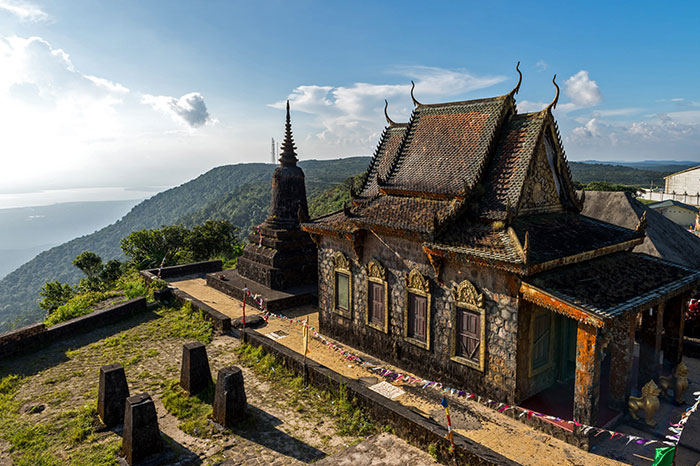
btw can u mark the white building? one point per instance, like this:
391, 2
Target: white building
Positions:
684, 182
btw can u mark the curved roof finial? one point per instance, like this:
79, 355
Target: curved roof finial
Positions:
553, 105
520, 80
413, 86
386, 115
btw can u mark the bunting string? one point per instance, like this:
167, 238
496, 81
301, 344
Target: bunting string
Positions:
670, 440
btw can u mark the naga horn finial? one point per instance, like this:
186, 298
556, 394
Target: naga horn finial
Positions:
413, 86
386, 115
520, 80
553, 105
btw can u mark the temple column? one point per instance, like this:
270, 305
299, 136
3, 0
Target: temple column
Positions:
621, 359
650, 344
587, 384
674, 324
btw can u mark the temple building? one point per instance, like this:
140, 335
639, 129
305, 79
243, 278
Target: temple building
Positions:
464, 258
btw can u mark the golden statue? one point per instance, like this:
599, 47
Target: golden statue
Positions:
678, 382
649, 402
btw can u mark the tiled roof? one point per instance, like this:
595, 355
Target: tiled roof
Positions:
384, 157
556, 236
410, 214
480, 242
509, 167
447, 146
335, 222
612, 284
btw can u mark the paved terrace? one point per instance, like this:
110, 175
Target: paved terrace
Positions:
490, 428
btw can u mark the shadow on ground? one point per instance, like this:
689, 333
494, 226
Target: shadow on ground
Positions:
40, 358
261, 428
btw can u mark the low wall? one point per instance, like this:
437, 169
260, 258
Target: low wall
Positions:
407, 424
222, 322
185, 269
36, 336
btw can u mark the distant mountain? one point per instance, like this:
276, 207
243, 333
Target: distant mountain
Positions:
664, 166
239, 193
584, 173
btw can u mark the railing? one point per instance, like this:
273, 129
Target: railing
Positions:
690, 199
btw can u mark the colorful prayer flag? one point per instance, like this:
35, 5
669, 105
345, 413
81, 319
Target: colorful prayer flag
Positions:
664, 456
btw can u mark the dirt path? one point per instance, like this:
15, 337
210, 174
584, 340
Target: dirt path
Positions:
494, 430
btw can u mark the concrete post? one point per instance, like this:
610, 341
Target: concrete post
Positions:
141, 436
195, 374
587, 383
229, 398
112, 394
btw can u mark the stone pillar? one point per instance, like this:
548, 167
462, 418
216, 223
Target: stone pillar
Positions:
621, 359
112, 394
229, 399
195, 375
587, 385
674, 326
141, 436
650, 345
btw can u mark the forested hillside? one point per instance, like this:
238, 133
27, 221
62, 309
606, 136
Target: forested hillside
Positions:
239, 193
584, 173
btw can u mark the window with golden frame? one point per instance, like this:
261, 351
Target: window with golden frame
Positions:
468, 343
416, 315
377, 315
342, 285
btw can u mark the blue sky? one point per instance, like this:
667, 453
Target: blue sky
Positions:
138, 94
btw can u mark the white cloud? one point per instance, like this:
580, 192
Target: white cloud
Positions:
617, 112
582, 91
350, 115
541, 65
25, 11
190, 108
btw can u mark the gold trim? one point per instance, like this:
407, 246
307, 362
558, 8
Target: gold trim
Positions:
550, 357
467, 297
341, 265
417, 284
376, 273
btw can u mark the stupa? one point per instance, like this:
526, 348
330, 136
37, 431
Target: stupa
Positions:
279, 261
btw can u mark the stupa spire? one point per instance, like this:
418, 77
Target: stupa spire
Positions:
289, 154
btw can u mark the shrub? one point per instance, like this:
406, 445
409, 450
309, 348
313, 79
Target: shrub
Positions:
77, 306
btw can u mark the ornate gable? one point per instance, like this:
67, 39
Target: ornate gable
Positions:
540, 193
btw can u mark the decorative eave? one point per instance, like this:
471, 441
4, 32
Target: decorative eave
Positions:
455, 255
560, 306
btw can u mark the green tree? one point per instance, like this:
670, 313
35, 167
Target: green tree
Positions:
55, 295
89, 262
147, 248
111, 271
214, 238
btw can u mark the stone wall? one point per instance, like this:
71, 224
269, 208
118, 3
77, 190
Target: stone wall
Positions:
399, 256
37, 335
